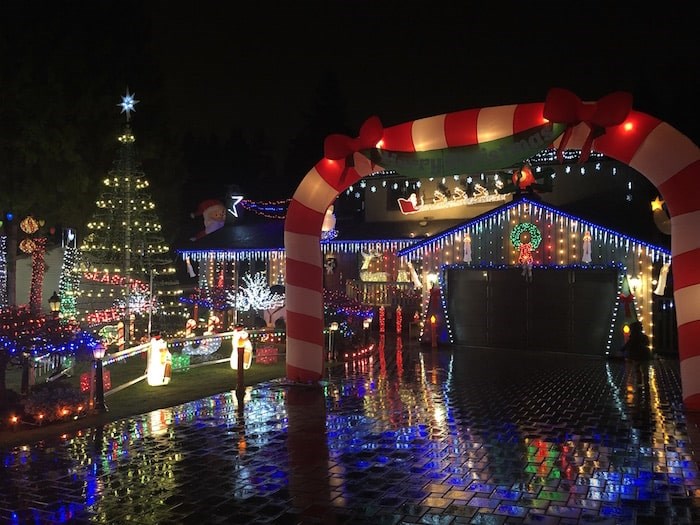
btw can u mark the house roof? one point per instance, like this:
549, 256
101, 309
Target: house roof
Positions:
256, 233
249, 234
268, 234
503, 209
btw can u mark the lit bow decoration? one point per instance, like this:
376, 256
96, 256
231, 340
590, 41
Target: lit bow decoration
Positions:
563, 107
337, 146
627, 300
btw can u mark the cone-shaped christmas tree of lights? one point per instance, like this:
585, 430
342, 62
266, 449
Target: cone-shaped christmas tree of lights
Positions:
126, 261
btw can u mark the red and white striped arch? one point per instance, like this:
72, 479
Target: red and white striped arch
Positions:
663, 155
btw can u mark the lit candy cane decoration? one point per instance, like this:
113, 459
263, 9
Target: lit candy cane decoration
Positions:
121, 339
637, 139
190, 326
661, 284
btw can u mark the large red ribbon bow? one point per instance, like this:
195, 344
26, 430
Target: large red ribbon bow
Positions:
338, 146
563, 107
627, 300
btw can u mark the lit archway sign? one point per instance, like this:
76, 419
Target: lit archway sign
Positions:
489, 139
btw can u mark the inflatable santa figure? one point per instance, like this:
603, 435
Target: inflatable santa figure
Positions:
214, 214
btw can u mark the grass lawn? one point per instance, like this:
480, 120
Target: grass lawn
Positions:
197, 382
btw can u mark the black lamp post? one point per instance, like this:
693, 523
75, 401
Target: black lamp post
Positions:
24, 388
55, 307
365, 331
55, 304
98, 352
332, 329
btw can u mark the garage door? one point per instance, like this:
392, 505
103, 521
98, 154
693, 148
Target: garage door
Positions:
562, 310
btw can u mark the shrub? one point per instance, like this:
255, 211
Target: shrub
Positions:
11, 405
54, 401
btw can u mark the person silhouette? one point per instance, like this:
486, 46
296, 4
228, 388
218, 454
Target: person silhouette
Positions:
637, 346
637, 355
638, 363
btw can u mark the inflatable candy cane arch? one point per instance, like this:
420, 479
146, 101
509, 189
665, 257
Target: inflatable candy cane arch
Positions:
671, 162
495, 138
346, 161
341, 167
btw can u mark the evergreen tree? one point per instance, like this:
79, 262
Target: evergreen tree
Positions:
125, 252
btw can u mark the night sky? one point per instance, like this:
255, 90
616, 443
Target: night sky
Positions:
208, 71
398, 62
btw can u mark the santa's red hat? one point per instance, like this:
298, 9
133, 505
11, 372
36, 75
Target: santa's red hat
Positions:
205, 205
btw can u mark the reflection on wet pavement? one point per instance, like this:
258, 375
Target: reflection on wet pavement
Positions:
403, 435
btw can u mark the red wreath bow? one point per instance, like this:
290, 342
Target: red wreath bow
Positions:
338, 146
563, 107
627, 301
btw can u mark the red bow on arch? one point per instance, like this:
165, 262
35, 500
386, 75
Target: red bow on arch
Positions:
338, 146
627, 300
563, 107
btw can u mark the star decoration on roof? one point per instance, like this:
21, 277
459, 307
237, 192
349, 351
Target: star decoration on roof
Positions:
127, 104
657, 204
235, 199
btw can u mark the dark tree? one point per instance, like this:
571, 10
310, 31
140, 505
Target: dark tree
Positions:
326, 115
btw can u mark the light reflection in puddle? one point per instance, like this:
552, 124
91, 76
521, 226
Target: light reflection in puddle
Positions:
399, 427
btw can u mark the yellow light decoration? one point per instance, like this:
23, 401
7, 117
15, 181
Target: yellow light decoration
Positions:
29, 225
657, 204
27, 245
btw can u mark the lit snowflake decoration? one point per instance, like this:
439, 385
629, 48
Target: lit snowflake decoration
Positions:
127, 104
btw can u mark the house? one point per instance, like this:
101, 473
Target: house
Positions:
390, 239
529, 276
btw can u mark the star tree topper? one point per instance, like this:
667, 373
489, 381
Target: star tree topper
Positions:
127, 104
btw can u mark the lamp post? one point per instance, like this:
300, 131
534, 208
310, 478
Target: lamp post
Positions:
24, 388
55, 307
365, 326
55, 304
635, 284
150, 303
332, 329
98, 352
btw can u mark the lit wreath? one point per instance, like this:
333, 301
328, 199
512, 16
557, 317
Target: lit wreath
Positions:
535, 235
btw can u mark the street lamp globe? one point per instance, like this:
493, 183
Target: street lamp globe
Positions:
55, 303
98, 351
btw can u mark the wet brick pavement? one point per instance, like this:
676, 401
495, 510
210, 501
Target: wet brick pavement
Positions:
404, 435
